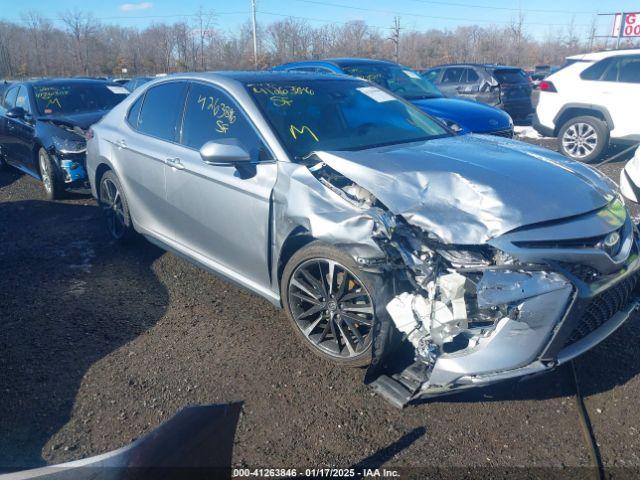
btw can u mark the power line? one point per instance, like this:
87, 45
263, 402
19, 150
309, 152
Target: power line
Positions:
434, 17
136, 17
323, 20
510, 9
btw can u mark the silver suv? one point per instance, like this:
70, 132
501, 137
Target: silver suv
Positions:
371, 223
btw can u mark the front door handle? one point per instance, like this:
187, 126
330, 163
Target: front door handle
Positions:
175, 163
121, 144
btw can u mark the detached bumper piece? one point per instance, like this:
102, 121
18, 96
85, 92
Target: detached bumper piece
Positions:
551, 329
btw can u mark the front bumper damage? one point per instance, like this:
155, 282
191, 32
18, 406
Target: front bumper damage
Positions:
479, 292
546, 315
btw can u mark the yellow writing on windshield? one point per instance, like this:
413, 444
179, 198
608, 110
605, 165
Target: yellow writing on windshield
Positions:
281, 90
296, 132
281, 101
51, 95
224, 114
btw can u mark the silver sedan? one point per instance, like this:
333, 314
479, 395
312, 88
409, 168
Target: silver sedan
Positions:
372, 224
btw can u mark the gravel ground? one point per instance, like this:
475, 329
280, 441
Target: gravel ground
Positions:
100, 343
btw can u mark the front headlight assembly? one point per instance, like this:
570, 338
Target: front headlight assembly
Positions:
66, 145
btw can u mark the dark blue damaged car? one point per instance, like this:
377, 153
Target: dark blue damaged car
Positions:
460, 115
43, 127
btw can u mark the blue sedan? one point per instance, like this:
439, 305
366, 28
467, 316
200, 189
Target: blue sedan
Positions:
460, 115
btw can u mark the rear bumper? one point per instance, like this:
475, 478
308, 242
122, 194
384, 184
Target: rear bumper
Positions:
517, 108
540, 128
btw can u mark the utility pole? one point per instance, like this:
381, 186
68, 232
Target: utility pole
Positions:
621, 31
255, 34
395, 37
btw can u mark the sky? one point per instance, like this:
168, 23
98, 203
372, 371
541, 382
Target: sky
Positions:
541, 17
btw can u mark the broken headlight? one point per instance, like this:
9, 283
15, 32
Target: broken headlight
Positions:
66, 145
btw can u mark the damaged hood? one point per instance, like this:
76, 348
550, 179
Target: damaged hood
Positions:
469, 189
81, 120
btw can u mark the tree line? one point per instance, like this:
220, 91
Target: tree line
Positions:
79, 44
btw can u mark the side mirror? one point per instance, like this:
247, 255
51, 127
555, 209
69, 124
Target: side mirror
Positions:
216, 153
17, 112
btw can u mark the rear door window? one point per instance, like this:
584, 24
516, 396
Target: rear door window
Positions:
472, 76
623, 69
630, 70
161, 110
212, 115
453, 75
595, 71
134, 112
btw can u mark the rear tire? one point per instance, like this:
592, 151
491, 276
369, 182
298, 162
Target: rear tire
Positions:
583, 138
53, 185
115, 207
332, 304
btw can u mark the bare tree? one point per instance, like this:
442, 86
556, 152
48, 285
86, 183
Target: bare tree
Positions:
81, 26
395, 37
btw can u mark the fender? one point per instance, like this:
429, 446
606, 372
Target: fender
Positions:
583, 106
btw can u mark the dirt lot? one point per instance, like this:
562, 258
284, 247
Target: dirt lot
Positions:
100, 343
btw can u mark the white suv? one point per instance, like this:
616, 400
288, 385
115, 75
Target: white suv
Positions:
593, 99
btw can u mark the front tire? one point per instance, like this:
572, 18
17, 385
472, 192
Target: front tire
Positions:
331, 303
51, 182
115, 208
583, 138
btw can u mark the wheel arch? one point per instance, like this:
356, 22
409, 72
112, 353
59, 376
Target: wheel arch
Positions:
298, 238
101, 169
572, 110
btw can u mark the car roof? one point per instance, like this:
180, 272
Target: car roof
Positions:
260, 76
594, 56
481, 65
68, 81
359, 61
338, 62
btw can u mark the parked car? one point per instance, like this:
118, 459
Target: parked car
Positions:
504, 87
134, 83
461, 116
541, 72
630, 178
591, 102
4, 84
363, 217
43, 124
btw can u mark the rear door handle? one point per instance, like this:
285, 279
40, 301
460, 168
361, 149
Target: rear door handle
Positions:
121, 144
175, 163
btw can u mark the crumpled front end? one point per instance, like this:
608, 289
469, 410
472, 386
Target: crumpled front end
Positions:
513, 307
509, 304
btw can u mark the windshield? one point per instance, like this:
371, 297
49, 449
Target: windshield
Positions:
403, 82
332, 114
70, 98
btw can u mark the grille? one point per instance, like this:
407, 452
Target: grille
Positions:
584, 272
602, 307
507, 133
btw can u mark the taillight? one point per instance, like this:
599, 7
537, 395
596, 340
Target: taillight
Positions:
89, 134
546, 86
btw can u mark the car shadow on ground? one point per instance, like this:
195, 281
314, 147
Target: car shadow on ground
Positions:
610, 364
8, 176
68, 297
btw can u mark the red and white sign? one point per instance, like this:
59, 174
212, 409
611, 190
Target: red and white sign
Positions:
629, 27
